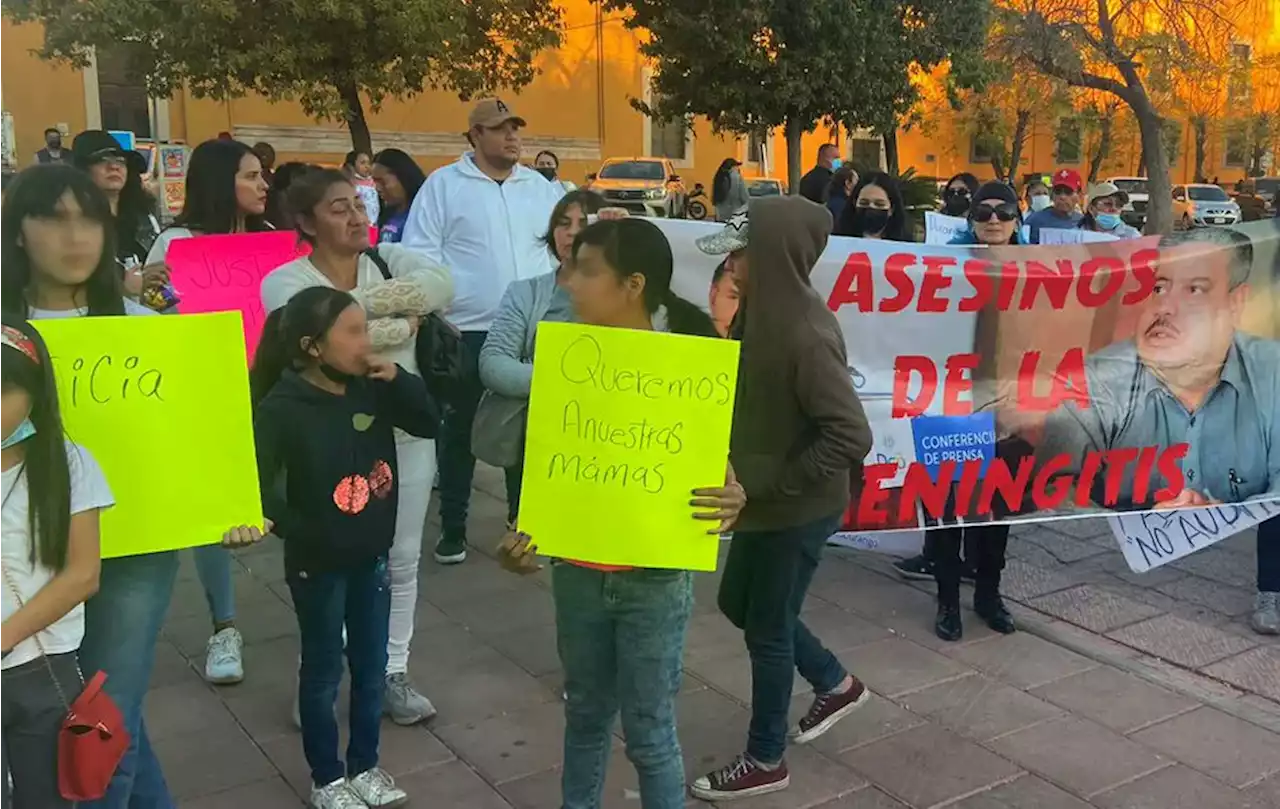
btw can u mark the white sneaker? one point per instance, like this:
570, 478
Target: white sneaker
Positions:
1266, 614
338, 795
376, 789
224, 661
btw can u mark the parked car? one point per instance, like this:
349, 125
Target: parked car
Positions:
765, 186
1201, 204
648, 186
1134, 212
1267, 188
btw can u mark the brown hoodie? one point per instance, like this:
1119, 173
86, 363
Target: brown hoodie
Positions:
798, 427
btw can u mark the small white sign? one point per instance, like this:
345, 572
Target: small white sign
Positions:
895, 543
1155, 538
942, 229
1073, 236
891, 442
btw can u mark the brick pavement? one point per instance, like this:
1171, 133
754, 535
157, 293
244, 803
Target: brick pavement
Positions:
1055, 717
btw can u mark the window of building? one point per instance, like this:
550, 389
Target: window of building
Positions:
1069, 141
122, 94
864, 153
757, 142
980, 150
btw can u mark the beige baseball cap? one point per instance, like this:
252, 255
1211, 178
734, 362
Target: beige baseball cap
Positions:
492, 112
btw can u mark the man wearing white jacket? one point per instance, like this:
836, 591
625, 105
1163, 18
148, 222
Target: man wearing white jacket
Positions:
481, 217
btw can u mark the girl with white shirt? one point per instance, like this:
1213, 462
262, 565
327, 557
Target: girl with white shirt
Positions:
329, 213
226, 193
53, 493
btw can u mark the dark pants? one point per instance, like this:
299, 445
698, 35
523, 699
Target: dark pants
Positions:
358, 597
457, 464
1269, 556
930, 551
513, 476
765, 581
33, 711
984, 551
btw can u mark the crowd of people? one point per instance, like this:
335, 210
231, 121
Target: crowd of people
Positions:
345, 418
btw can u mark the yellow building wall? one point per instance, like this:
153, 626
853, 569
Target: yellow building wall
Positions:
38, 94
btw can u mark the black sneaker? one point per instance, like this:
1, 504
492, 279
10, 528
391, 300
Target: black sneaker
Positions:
917, 567
948, 625
451, 550
992, 610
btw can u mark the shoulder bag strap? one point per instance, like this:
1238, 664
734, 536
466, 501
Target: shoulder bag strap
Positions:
13, 588
380, 262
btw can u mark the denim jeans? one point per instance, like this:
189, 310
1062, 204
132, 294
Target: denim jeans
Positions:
121, 625
213, 566
621, 641
33, 714
359, 597
457, 464
762, 591
1269, 556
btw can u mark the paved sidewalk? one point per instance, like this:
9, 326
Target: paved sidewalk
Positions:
1054, 717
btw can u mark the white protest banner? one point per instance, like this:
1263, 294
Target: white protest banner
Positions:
942, 229
894, 543
1156, 538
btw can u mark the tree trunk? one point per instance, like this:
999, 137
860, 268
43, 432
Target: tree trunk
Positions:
1200, 126
890, 139
794, 129
1103, 151
1160, 208
361, 141
1021, 123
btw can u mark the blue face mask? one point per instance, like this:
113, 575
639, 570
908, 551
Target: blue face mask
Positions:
24, 431
836, 164
1107, 221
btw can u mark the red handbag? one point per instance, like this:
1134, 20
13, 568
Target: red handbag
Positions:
92, 739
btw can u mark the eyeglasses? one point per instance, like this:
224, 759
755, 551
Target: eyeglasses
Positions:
1005, 212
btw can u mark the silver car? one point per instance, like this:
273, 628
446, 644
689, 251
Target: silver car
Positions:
1201, 204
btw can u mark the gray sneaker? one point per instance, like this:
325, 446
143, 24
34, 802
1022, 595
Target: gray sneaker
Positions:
403, 704
376, 789
337, 795
1266, 614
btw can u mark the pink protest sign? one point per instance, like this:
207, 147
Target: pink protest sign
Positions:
224, 273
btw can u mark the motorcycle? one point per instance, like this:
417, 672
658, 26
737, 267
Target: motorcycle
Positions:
695, 204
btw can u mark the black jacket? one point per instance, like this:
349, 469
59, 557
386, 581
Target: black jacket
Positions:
327, 465
813, 186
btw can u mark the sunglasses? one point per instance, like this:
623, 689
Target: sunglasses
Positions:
1005, 212
956, 192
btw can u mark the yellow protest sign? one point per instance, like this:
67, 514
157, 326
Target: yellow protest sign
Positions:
623, 425
163, 404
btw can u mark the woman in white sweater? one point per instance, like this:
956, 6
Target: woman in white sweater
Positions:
329, 213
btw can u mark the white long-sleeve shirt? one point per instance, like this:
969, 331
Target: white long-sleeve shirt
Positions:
486, 233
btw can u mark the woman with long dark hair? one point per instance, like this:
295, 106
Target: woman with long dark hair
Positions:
621, 631
396, 287
398, 178
277, 213
226, 193
728, 189
840, 190
875, 210
57, 260
957, 194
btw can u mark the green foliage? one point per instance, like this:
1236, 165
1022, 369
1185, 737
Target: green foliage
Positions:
323, 53
749, 65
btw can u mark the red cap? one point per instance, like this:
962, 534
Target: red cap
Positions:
1070, 178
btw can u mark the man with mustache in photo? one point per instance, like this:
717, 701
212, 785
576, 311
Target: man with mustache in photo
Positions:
1188, 376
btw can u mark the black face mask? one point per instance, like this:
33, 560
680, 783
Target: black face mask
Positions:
547, 171
954, 204
870, 221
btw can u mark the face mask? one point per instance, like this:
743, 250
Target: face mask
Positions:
23, 431
1040, 202
837, 163
1107, 221
870, 221
546, 171
954, 204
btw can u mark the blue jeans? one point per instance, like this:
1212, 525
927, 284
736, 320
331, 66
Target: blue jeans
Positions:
766, 578
621, 640
1269, 556
358, 597
457, 464
121, 625
213, 565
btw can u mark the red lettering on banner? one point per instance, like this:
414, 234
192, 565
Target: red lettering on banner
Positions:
1057, 285
959, 379
1108, 266
978, 273
934, 282
895, 272
1068, 383
1143, 265
1142, 478
1046, 484
854, 285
